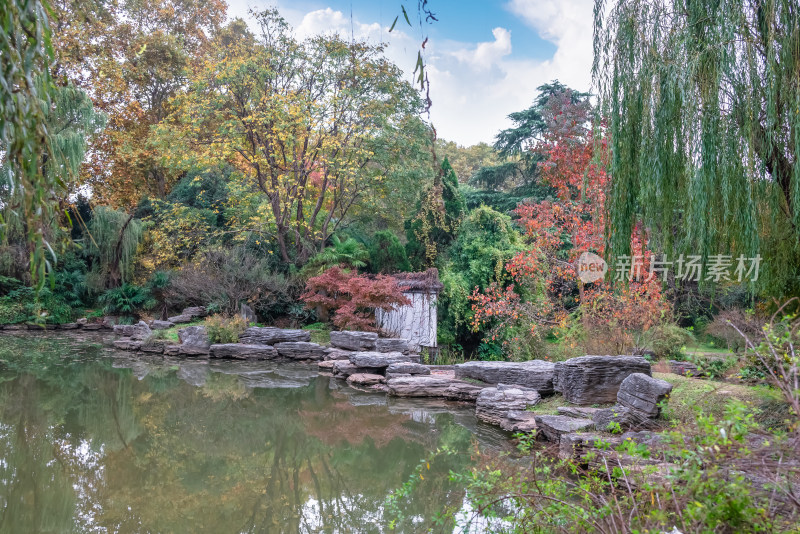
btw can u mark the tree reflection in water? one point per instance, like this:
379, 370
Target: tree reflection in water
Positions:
92, 440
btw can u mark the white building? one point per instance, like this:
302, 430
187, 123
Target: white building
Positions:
417, 321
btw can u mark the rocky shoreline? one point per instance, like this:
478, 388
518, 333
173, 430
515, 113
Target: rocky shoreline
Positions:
503, 392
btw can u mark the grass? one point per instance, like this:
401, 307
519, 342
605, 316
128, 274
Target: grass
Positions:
699, 347
692, 394
320, 333
171, 334
549, 405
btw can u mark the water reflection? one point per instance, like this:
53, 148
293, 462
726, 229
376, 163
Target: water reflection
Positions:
93, 440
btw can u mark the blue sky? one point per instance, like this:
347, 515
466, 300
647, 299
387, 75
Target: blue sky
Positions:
485, 58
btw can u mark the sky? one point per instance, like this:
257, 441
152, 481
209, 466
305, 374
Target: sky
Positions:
485, 59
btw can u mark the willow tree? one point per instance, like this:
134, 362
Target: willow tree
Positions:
704, 105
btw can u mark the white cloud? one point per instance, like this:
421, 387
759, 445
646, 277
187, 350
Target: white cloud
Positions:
474, 86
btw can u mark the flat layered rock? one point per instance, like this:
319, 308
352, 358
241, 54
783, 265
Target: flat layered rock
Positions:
195, 311
579, 412
552, 427
392, 344
172, 349
300, 350
155, 346
127, 344
519, 421
194, 341
269, 335
408, 368
643, 393
365, 379
93, 326
494, 403
69, 326
343, 369
595, 379
535, 374
378, 359
180, 319
337, 354
241, 351
431, 386
607, 419
160, 325
352, 340
326, 365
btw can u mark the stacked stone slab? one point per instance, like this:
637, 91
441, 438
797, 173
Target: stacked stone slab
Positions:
239, 351
393, 344
638, 402
189, 315
269, 335
595, 379
433, 386
300, 350
505, 406
536, 374
194, 341
396, 370
352, 340
553, 427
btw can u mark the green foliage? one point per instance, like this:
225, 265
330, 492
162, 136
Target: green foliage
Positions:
127, 301
348, 253
667, 340
439, 215
703, 121
223, 329
112, 242
387, 255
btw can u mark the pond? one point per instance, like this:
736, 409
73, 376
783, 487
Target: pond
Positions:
95, 440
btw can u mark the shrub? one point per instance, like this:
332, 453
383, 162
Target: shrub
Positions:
721, 328
666, 340
387, 255
128, 301
353, 298
225, 329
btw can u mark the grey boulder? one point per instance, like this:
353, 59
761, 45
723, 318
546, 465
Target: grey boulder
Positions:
352, 340
534, 374
365, 379
595, 379
552, 427
493, 404
408, 368
180, 319
392, 344
433, 386
159, 325
240, 351
643, 393
194, 341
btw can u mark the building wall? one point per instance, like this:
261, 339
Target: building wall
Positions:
416, 322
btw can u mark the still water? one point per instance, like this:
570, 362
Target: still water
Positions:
96, 440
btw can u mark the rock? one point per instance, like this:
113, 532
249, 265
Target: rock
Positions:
195, 311
337, 354
172, 349
595, 379
378, 360
579, 412
327, 365
123, 330
643, 393
683, 368
194, 341
269, 335
493, 404
552, 427
408, 368
392, 344
343, 369
365, 379
519, 421
92, 326
247, 313
535, 374
352, 340
431, 386
70, 326
127, 344
109, 322
644, 437
624, 417
82, 321
300, 350
180, 319
576, 445
240, 351
153, 345
389, 375
160, 325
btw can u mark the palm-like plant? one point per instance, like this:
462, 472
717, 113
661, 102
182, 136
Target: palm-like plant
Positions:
348, 253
